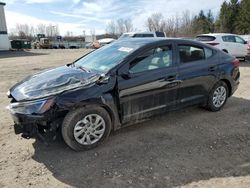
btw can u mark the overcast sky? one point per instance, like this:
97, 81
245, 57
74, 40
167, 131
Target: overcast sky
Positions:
79, 15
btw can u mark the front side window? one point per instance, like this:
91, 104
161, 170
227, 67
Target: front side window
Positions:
156, 58
239, 40
229, 38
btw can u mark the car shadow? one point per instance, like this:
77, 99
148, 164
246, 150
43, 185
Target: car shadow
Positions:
245, 64
23, 53
171, 150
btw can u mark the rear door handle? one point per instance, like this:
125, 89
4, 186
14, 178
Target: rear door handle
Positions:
212, 69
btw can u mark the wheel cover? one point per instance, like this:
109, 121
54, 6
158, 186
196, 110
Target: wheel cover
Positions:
219, 96
90, 129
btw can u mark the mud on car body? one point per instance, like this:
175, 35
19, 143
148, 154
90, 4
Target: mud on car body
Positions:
122, 83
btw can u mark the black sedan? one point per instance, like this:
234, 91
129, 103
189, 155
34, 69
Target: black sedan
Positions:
122, 83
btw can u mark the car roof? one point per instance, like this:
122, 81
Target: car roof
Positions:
143, 42
148, 40
145, 32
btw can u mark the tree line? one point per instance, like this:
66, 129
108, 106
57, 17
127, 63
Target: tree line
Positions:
233, 17
25, 31
118, 27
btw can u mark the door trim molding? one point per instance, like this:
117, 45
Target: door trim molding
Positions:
145, 87
145, 111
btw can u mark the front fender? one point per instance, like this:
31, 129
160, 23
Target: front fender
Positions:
95, 95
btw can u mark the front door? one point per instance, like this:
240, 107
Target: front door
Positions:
241, 47
150, 84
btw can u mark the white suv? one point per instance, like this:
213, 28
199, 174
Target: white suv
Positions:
142, 34
230, 43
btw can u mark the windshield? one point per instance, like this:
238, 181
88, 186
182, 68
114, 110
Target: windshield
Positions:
105, 58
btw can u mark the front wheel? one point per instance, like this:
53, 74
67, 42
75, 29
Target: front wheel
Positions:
86, 127
217, 97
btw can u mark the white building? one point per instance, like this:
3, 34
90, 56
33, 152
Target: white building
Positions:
4, 40
90, 38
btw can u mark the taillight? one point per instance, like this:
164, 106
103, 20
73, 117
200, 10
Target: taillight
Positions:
213, 43
248, 45
236, 62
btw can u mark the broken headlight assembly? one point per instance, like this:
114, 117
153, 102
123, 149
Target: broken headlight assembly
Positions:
31, 107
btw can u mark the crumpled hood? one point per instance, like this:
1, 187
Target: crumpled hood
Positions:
51, 82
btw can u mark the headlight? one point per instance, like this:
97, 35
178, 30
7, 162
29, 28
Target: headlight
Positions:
8, 93
32, 107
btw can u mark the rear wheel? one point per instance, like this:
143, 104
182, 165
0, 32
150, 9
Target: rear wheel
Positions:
85, 128
217, 97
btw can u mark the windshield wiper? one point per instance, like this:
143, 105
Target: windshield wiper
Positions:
83, 68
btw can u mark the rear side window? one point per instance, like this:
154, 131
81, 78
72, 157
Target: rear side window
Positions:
159, 34
205, 38
228, 38
189, 53
143, 35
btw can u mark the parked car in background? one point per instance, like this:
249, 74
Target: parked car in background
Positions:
245, 37
248, 52
142, 34
122, 83
229, 43
89, 45
102, 42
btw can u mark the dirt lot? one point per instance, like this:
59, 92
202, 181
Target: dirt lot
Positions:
189, 148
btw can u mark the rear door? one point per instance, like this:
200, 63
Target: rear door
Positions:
148, 84
198, 70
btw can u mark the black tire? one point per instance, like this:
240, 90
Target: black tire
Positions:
210, 105
75, 116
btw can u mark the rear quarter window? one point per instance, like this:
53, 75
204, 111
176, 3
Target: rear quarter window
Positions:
159, 34
209, 53
143, 35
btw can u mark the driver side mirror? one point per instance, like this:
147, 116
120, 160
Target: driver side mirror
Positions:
126, 75
245, 42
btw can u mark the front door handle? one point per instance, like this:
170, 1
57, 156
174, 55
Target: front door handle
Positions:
171, 78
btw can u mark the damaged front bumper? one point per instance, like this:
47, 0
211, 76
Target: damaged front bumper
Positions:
27, 125
42, 127
34, 119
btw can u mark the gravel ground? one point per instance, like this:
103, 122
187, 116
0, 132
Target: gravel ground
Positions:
187, 148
